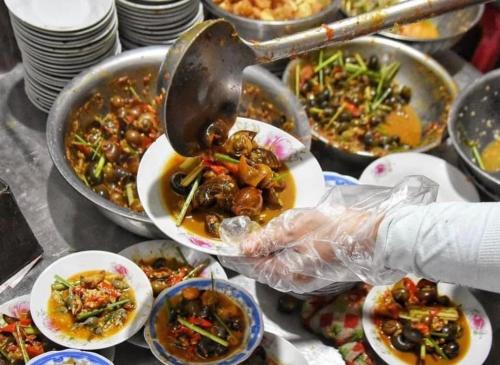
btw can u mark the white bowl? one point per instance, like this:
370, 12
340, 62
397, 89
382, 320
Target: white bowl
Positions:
62, 357
149, 250
252, 336
389, 170
477, 319
304, 168
85, 261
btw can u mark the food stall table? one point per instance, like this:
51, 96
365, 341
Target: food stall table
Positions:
64, 222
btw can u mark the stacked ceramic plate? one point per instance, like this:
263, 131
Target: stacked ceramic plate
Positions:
153, 22
60, 38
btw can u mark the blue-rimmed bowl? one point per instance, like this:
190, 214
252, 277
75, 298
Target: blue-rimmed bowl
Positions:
61, 358
335, 179
253, 333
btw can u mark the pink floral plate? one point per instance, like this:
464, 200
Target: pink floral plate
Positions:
477, 319
13, 307
304, 168
86, 261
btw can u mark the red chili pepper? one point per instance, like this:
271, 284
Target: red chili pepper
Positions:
306, 73
86, 150
218, 169
232, 167
10, 328
352, 108
358, 347
25, 322
200, 322
410, 286
351, 320
423, 328
34, 350
146, 142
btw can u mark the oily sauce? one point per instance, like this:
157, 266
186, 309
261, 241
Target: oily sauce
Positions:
65, 322
424, 29
405, 124
491, 156
195, 221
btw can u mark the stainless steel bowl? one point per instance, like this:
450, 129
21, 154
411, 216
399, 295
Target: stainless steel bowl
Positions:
451, 26
475, 116
433, 89
136, 64
260, 30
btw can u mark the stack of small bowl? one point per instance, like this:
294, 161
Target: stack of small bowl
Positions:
60, 38
156, 22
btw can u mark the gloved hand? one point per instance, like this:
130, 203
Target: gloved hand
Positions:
303, 250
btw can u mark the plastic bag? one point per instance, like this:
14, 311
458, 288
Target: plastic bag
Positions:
304, 250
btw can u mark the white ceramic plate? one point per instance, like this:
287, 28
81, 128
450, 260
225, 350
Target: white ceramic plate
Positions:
73, 35
162, 25
281, 351
60, 15
152, 8
305, 170
477, 319
61, 42
149, 250
84, 261
391, 169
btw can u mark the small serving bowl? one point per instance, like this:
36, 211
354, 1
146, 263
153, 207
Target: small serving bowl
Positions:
477, 320
136, 64
304, 168
475, 116
253, 334
451, 27
150, 250
85, 261
261, 30
433, 89
62, 358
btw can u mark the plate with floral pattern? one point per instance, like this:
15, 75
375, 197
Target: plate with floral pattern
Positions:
302, 165
479, 325
83, 261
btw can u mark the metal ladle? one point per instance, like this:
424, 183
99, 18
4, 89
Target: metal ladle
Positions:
203, 71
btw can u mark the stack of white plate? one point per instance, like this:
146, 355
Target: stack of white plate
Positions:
153, 22
60, 38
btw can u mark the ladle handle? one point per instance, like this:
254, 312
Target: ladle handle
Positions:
325, 35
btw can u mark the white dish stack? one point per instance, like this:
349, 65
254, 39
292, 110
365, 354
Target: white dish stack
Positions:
154, 22
60, 38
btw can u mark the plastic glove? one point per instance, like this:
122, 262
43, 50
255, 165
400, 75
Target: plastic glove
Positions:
304, 250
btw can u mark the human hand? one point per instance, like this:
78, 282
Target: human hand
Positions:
303, 250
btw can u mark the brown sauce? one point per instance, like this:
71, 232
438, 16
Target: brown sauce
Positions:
491, 156
195, 221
